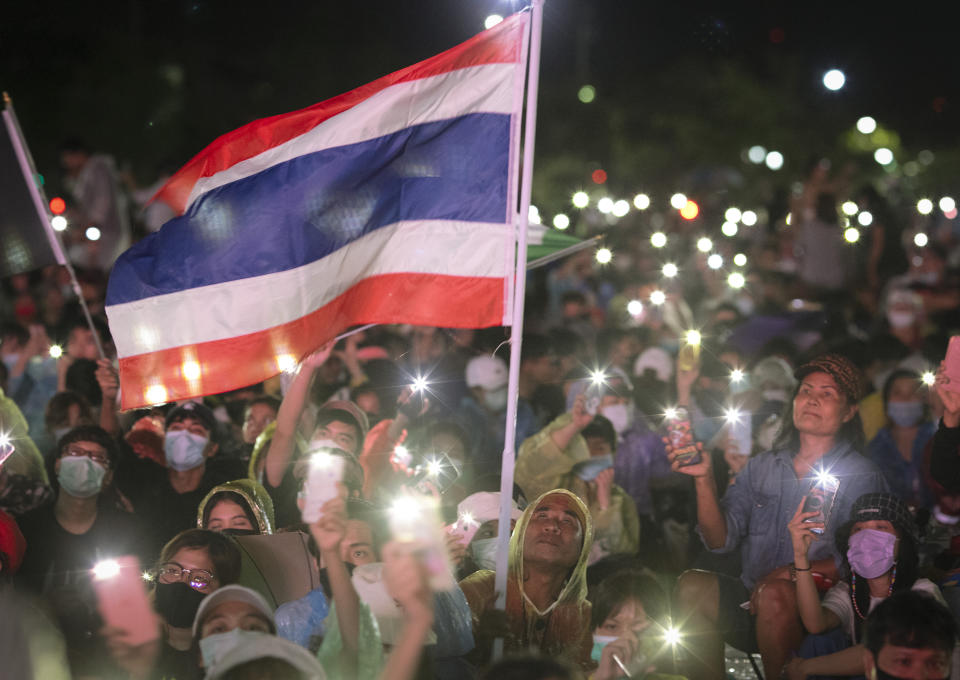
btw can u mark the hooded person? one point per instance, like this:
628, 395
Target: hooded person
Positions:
547, 607
241, 507
576, 452
478, 516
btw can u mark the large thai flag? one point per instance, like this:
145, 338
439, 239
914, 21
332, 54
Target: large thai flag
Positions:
392, 203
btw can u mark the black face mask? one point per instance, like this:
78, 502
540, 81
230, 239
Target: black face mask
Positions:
240, 532
178, 603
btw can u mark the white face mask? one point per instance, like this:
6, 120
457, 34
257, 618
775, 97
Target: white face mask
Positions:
484, 551
776, 395
184, 450
495, 400
619, 415
901, 318
215, 647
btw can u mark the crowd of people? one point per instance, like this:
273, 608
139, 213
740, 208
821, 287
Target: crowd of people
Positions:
772, 468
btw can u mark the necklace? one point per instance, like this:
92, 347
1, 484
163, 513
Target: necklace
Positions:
853, 590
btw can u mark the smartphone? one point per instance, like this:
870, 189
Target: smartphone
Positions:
820, 499
435, 469
326, 469
415, 520
689, 357
680, 433
951, 365
741, 433
592, 397
122, 599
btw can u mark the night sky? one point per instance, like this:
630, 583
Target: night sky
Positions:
154, 82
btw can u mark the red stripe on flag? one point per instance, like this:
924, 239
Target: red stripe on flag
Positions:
499, 45
419, 299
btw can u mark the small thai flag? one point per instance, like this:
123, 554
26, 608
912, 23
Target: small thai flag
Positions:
392, 203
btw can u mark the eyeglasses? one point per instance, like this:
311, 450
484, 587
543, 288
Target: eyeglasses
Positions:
198, 579
75, 451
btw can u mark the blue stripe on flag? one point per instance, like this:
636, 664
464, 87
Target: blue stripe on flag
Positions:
304, 209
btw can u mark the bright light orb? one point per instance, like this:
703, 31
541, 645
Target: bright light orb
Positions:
641, 201
732, 415
756, 154
883, 156
865, 218
774, 160
492, 21
587, 94
56, 351
672, 636
190, 370
852, 234
715, 261
736, 280
866, 125
929, 378
93, 234
678, 200
920, 240
749, 218
690, 210
736, 375
947, 204
834, 79
598, 377
533, 215
286, 362
634, 308
419, 384
704, 244
670, 270
924, 206
59, 223
561, 221
658, 297
670, 414
156, 394
658, 239
693, 337
605, 205
106, 569
849, 208
739, 259
729, 229
733, 214
620, 208
581, 199
604, 255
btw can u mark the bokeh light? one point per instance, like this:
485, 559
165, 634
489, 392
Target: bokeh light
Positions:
634, 308
604, 255
715, 261
641, 201
587, 94
757, 154
533, 215
729, 229
605, 205
774, 160
883, 156
658, 239
93, 233
865, 218
599, 176
581, 199
921, 240
561, 221
658, 297
620, 208
690, 210
57, 205
924, 206
947, 204
849, 208
740, 259
492, 20
736, 280
678, 200
58, 222
732, 214
749, 218
851, 234
670, 270
834, 79
866, 125
704, 244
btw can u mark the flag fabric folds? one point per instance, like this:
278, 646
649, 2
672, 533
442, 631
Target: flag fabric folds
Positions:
392, 203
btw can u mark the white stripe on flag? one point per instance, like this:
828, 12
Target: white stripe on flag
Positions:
477, 89
226, 310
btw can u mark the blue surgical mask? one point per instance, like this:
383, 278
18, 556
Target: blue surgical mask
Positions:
215, 647
587, 470
599, 642
10, 360
905, 413
184, 450
80, 476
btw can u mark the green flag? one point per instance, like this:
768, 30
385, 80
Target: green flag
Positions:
546, 245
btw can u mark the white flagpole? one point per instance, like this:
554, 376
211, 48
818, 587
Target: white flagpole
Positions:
516, 331
40, 202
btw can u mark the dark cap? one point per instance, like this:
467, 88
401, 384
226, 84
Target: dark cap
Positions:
198, 412
841, 369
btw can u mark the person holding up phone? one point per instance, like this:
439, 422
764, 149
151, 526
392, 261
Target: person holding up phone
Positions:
945, 453
823, 437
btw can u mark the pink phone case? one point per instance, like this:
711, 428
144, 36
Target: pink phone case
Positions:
122, 600
951, 365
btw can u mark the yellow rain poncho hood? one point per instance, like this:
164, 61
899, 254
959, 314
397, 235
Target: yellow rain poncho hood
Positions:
563, 629
255, 496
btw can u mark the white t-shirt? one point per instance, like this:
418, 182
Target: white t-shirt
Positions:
838, 601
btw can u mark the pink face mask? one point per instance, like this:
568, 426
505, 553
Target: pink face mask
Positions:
871, 552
